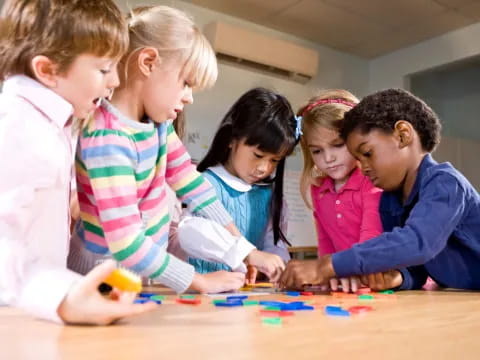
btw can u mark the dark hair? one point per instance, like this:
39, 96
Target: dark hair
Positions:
383, 109
264, 119
60, 30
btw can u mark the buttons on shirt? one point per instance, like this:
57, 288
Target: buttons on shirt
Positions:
338, 202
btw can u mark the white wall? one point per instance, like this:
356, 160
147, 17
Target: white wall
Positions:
390, 70
457, 106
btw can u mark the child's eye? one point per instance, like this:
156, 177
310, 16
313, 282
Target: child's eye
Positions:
367, 154
316, 151
258, 156
275, 161
104, 71
339, 145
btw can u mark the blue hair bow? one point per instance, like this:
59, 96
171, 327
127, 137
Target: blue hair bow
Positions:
298, 130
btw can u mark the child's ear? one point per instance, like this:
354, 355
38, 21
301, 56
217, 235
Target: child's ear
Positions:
44, 70
147, 60
404, 133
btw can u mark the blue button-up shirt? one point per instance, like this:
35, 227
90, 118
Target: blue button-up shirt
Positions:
435, 233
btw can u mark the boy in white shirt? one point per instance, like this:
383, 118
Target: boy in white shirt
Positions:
58, 59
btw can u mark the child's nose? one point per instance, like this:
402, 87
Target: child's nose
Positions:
188, 95
365, 168
114, 79
329, 156
263, 166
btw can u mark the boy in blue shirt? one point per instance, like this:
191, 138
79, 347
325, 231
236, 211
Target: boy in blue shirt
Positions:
430, 212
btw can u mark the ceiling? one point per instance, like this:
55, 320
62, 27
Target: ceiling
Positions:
367, 28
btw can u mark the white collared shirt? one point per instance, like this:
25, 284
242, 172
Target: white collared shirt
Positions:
36, 152
210, 241
234, 182
267, 243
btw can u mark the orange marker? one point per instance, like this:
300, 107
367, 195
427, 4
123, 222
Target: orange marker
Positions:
124, 280
262, 285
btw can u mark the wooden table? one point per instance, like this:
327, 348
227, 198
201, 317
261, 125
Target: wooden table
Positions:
417, 325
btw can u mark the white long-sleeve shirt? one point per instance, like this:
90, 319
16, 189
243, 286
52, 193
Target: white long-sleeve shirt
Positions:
210, 241
36, 149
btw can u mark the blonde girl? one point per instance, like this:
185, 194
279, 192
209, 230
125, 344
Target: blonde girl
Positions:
129, 153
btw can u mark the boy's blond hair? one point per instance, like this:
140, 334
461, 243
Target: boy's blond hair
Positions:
173, 34
60, 30
316, 113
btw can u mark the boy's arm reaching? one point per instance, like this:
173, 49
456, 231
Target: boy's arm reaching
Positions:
320, 272
425, 233
414, 277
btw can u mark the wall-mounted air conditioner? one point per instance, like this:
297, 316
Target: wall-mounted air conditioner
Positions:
246, 48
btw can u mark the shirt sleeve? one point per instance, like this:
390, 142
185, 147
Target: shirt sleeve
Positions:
268, 243
371, 224
27, 280
175, 210
190, 186
210, 241
425, 233
413, 277
109, 163
33, 274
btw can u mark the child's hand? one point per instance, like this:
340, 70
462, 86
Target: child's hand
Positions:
307, 272
352, 283
85, 305
270, 264
383, 281
251, 275
218, 281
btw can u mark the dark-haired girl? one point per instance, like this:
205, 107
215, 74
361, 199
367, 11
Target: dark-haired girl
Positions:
245, 164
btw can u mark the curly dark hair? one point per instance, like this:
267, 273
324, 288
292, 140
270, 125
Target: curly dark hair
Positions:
381, 110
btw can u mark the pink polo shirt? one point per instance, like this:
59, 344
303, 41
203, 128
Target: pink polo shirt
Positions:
36, 158
348, 217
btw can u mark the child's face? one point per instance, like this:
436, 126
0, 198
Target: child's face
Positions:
251, 164
166, 92
329, 153
380, 157
88, 78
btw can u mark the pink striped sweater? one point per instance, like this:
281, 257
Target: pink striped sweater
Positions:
122, 170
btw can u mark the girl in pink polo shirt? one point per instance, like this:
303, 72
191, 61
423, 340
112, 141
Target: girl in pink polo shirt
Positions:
344, 201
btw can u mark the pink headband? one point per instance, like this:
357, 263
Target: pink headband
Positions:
327, 101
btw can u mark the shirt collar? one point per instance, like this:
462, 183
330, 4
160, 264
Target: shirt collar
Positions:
147, 126
426, 162
392, 200
231, 180
52, 105
354, 182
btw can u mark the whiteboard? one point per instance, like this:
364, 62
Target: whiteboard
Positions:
301, 228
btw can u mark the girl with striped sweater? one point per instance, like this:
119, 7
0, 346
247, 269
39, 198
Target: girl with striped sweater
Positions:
128, 153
